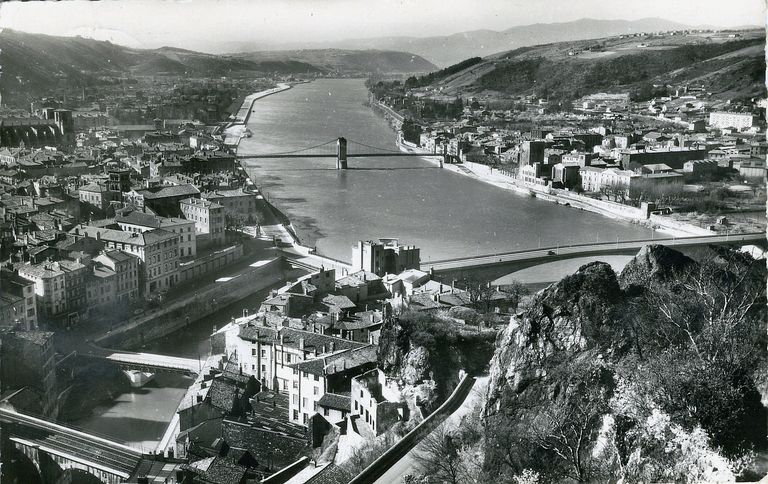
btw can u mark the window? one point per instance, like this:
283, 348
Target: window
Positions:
263, 367
295, 414
317, 378
253, 351
314, 406
304, 402
295, 399
315, 391
263, 353
295, 384
305, 418
325, 412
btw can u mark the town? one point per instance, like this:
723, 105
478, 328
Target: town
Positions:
132, 224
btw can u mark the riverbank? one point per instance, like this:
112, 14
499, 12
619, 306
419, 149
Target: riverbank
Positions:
506, 181
237, 129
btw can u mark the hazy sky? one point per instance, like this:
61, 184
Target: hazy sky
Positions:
208, 24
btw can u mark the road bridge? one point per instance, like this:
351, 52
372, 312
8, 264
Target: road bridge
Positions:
342, 155
148, 362
55, 449
493, 266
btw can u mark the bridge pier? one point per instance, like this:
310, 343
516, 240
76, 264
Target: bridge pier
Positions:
341, 153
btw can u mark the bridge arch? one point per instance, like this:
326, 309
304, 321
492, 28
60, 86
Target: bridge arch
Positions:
18, 466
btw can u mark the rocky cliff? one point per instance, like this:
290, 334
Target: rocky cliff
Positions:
425, 353
633, 375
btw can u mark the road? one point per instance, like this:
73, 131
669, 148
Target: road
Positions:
408, 465
586, 249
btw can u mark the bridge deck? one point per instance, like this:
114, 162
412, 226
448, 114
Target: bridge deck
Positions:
72, 444
585, 249
334, 155
145, 360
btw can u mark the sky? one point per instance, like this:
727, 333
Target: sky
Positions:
212, 25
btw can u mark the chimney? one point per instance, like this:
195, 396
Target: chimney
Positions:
333, 344
282, 338
453, 285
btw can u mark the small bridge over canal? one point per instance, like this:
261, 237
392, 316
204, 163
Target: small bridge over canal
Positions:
338, 149
148, 362
493, 266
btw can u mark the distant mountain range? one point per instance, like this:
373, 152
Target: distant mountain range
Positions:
33, 63
450, 49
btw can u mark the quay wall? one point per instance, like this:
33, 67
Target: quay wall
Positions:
209, 263
205, 302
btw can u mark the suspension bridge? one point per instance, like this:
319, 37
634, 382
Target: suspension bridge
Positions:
338, 149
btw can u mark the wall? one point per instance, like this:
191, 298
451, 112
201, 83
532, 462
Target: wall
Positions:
209, 263
412, 438
208, 301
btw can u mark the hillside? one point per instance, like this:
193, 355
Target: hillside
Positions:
449, 49
729, 67
347, 61
32, 64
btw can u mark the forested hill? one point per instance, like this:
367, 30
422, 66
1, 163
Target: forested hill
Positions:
32, 64
728, 65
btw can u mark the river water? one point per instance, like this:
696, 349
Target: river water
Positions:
139, 418
446, 214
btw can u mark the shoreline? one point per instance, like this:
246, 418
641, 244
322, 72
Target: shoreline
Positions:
237, 127
284, 231
571, 200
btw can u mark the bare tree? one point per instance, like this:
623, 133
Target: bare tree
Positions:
439, 456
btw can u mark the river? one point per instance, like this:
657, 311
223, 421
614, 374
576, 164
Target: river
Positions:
139, 418
446, 214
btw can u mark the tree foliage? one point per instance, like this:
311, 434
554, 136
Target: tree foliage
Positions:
665, 390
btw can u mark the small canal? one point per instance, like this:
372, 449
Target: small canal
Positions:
140, 416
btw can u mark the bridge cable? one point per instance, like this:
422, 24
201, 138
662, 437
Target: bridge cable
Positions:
293, 151
388, 150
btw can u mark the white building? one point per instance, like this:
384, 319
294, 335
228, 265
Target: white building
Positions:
722, 119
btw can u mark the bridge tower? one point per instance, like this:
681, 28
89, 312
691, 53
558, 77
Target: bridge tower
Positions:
341, 154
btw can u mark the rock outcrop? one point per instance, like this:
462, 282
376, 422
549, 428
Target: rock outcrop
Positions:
425, 354
569, 352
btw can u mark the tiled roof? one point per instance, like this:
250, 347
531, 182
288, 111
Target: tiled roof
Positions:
169, 191
36, 337
336, 401
423, 302
341, 302
338, 362
146, 238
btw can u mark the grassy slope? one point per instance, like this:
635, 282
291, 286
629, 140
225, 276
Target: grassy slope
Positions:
729, 67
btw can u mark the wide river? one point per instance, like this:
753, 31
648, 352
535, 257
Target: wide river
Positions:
446, 214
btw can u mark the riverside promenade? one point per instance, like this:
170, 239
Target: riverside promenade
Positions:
237, 128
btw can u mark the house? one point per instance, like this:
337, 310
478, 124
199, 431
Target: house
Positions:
138, 222
162, 200
209, 219
752, 168
377, 401
157, 249
98, 196
333, 373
